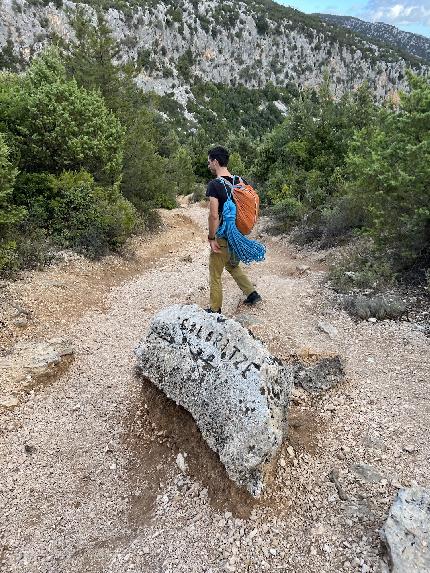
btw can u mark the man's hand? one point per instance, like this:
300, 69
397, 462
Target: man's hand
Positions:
215, 248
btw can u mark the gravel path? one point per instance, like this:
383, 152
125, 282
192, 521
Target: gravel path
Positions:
89, 480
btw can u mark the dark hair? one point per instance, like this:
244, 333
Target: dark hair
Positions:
220, 154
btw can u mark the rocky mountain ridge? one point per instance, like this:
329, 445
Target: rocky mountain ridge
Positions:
414, 44
250, 42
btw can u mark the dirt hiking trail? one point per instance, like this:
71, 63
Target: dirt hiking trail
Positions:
88, 474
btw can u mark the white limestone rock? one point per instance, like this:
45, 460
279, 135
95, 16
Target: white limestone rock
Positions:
406, 532
235, 390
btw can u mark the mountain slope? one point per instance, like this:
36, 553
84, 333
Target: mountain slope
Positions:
252, 43
414, 44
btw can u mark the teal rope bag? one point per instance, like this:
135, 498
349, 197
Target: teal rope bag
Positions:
244, 249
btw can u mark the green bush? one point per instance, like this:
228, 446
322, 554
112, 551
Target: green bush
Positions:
236, 165
10, 214
34, 249
380, 307
184, 64
145, 179
199, 193
55, 125
306, 153
361, 267
389, 174
90, 219
71, 211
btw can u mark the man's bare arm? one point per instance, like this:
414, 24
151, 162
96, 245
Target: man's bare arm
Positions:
213, 219
213, 223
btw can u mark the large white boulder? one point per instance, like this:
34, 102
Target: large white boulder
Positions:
235, 390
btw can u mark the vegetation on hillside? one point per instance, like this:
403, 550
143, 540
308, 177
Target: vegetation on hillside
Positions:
336, 169
85, 157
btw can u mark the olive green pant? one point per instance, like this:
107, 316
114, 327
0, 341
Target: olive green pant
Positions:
217, 263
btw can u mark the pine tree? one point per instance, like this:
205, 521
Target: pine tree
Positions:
90, 59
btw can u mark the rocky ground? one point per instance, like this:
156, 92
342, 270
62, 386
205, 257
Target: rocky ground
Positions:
101, 473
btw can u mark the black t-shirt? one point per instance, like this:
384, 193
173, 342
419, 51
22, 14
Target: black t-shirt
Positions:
217, 189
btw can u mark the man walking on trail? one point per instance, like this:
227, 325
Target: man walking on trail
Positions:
220, 258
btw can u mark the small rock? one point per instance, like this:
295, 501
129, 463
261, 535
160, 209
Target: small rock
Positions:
328, 329
302, 268
181, 463
320, 375
282, 463
366, 472
298, 395
9, 402
21, 322
372, 319
247, 319
19, 311
291, 452
410, 449
57, 284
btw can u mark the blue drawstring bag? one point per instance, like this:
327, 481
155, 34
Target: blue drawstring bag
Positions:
242, 248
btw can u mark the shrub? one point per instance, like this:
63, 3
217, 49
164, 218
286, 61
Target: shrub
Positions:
184, 64
88, 218
380, 307
56, 125
71, 211
262, 25
199, 193
389, 170
10, 214
34, 249
307, 151
361, 268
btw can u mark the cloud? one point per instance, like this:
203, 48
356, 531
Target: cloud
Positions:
403, 12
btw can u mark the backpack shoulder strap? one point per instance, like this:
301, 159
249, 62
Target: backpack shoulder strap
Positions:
220, 178
227, 186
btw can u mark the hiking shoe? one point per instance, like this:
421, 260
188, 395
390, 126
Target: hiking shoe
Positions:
214, 311
252, 298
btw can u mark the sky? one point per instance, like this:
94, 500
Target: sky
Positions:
408, 15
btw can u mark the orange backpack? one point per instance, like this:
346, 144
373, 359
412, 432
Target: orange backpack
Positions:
247, 204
